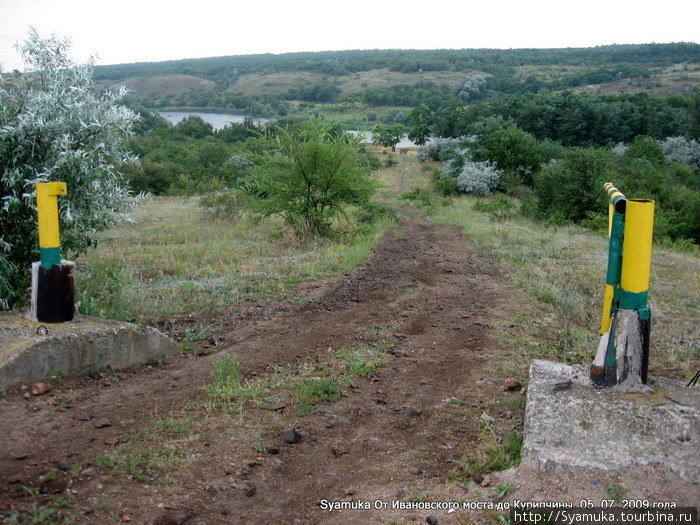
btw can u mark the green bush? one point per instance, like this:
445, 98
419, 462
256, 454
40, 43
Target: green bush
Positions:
573, 186
310, 178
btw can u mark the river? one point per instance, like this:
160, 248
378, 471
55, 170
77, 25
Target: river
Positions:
219, 120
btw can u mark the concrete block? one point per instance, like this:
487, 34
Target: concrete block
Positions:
31, 350
571, 424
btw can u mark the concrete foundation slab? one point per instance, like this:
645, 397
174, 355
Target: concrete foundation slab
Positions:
30, 350
569, 423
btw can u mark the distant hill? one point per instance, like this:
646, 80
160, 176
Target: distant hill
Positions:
385, 77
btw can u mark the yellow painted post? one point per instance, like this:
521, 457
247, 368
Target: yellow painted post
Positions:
47, 210
636, 251
52, 279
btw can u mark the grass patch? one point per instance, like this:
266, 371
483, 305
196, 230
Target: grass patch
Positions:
144, 464
560, 274
229, 391
496, 452
311, 391
173, 261
364, 359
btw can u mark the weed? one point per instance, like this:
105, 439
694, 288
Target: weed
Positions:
497, 454
175, 427
311, 391
57, 377
365, 359
141, 464
616, 491
504, 488
228, 389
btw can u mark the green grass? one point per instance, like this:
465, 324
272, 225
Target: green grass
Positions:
143, 464
174, 261
496, 452
228, 390
559, 275
311, 391
364, 359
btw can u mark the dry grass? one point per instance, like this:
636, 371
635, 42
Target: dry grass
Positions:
560, 274
281, 83
160, 86
174, 261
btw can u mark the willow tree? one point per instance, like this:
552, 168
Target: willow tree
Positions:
54, 127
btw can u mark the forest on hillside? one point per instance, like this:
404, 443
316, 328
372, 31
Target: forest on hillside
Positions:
272, 85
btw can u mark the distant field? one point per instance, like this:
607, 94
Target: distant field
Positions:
673, 80
281, 83
160, 86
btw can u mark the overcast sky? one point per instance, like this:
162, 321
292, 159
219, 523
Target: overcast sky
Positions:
151, 30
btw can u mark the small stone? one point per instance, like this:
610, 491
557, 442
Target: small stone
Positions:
365, 411
250, 490
14, 479
20, 455
82, 416
90, 472
340, 450
102, 423
86, 510
179, 519
301, 434
486, 482
61, 465
39, 389
273, 450
350, 492
400, 494
508, 414
431, 520
416, 471
511, 384
478, 478
111, 441
523, 391
412, 411
289, 435
401, 337
486, 418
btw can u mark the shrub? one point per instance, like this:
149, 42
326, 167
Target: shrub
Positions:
480, 178
53, 127
309, 178
680, 149
573, 186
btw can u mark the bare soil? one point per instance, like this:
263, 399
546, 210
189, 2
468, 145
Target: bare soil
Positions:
404, 433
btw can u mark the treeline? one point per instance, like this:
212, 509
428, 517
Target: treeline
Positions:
578, 119
560, 184
226, 69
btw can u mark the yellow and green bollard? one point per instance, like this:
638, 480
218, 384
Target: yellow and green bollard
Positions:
52, 278
623, 353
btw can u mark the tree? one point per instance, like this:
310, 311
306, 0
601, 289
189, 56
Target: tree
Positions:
570, 188
53, 127
419, 120
387, 136
310, 177
194, 126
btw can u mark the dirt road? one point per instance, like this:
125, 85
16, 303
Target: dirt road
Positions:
148, 446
